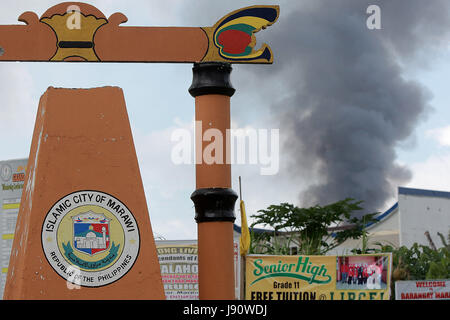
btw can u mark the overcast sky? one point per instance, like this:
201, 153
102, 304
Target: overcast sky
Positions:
387, 89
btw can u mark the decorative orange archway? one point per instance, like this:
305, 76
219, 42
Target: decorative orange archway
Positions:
79, 32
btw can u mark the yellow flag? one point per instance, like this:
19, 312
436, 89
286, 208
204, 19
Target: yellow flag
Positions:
244, 240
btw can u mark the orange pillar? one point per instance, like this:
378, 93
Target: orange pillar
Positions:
83, 229
213, 198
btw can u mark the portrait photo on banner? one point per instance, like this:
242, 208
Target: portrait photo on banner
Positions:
362, 272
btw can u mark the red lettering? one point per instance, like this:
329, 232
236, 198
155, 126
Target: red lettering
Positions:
430, 284
442, 295
18, 177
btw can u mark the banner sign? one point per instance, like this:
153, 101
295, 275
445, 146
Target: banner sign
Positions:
12, 178
359, 277
178, 260
179, 269
422, 290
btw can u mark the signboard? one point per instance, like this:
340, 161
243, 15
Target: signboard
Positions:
179, 269
360, 277
178, 260
422, 290
12, 177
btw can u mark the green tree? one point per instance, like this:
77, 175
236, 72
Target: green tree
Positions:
419, 262
308, 228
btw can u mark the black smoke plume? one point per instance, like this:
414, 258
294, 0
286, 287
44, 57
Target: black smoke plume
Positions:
349, 101
341, 93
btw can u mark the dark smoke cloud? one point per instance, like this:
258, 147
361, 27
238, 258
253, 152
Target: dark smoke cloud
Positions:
341, 94
350, 103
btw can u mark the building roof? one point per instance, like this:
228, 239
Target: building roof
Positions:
255, 230
412, 192
422, 192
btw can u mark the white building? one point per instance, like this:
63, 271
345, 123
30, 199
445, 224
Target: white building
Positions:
417, 211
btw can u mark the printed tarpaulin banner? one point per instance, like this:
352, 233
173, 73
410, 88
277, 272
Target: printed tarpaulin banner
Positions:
179, 269
12, 177
357, 277
422, 290
178, 260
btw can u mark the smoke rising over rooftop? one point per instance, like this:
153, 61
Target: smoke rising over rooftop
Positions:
350, 102
342, 95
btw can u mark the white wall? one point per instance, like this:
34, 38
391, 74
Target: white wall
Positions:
386, 231
421, 213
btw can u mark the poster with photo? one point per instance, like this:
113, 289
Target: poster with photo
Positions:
363, 272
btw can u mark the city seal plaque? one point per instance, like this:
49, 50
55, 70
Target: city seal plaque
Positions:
90, 238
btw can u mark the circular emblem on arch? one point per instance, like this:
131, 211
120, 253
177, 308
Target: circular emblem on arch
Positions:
90, 238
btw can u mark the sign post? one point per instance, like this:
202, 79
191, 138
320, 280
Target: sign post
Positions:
214, 199
422, 290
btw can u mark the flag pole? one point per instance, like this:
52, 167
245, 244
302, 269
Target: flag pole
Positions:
240, 189
243, 262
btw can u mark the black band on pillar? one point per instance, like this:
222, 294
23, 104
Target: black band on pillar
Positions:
211, 78
214, 204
